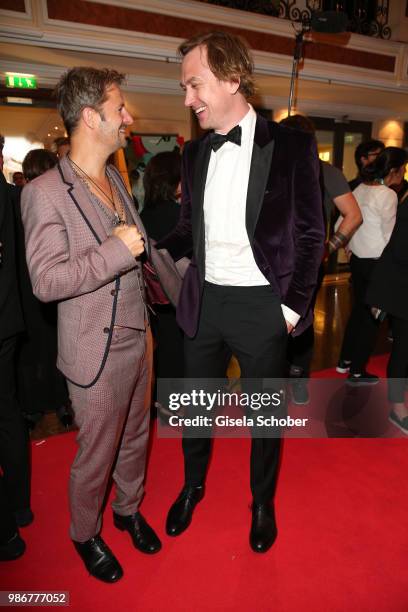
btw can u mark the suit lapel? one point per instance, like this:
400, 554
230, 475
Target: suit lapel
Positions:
259, 172
197, 198
77, 192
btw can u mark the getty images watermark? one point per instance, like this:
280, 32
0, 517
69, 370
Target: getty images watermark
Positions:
220, 400
265, 408
200, 408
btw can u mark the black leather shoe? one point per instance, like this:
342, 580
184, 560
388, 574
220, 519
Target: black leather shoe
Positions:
24, 517
99, 559
181, 512
143, 536
12, 549
263, 528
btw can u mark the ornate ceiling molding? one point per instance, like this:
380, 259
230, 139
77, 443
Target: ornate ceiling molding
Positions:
37, 29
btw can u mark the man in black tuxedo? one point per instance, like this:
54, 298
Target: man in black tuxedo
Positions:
251, 214
15, 482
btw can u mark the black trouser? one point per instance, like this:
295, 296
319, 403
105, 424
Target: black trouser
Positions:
397, 368
300, 352
169, 354
8, 526
40, 385
361, 331
246, 322
300, 348
169, 351
14, 458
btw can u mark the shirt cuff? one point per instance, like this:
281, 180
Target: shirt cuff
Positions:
290, 315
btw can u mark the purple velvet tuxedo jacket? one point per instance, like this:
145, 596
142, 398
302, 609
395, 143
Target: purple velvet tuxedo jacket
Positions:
284, 219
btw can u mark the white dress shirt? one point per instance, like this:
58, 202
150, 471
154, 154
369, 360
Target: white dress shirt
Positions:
228, 254
378, 206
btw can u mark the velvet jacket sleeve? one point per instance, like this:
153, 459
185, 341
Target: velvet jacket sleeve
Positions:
308, 228
179, 242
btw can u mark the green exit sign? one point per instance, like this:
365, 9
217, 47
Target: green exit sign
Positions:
21, 81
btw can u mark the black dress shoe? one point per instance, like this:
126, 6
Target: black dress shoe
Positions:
12, 549
143, 536
263, 528
24, 517
99, 559
181, 512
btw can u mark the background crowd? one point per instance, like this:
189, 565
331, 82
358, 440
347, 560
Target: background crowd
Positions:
372, 212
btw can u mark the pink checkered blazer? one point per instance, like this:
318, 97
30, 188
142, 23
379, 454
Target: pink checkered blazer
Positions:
72, 260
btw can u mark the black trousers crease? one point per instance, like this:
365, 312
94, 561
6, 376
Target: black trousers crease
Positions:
247, 322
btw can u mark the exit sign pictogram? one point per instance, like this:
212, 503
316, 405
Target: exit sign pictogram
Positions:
20, 81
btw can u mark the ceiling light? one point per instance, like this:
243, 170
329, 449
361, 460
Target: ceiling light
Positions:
20, 74
13, 100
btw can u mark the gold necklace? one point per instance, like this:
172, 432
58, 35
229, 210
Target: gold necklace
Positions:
119, 216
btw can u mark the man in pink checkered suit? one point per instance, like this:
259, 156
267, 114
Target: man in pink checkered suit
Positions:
85, 244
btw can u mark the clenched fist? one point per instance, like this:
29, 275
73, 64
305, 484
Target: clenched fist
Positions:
131, 237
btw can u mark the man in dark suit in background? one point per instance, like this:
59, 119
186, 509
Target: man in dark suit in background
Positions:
252, 214
15, 482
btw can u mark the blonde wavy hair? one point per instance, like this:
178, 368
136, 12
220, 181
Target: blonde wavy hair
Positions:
228, 58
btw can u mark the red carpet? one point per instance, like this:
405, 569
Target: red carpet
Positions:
342, 545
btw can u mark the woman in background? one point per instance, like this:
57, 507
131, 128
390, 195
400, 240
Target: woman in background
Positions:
378, 204
161, 182
160, 215
388, 291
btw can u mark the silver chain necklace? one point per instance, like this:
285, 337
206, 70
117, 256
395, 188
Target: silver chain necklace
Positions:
118, 218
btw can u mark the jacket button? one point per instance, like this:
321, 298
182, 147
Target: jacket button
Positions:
113, 292
106, 330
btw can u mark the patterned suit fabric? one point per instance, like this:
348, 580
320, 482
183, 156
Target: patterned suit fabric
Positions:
73, 259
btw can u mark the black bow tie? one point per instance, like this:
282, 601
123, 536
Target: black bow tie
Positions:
234, 135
